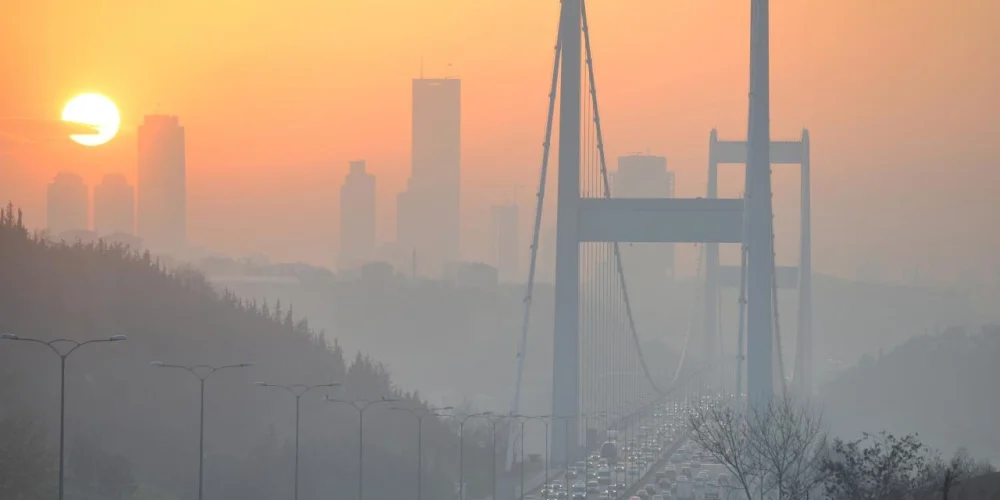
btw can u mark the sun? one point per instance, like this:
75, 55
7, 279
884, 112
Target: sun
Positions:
97, 111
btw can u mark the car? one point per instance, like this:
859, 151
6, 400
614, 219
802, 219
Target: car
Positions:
593, 487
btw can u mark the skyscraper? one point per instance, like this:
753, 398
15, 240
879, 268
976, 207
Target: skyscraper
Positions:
162, 195
505, 242
67, 204
431, 223
357, 217
114, 206
645, 176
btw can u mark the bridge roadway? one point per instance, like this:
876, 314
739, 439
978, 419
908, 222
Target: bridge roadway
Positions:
534, 484
650, 476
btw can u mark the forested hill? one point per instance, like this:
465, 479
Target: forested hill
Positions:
943, 386
142, 422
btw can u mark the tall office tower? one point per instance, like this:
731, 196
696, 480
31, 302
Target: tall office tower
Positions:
648, 266
161, 217
357, 218
505, 243
114, 206
67, 204
431, 225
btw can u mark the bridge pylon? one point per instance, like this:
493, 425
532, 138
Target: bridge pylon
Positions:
798, 278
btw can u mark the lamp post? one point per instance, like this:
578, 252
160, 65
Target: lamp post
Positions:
543, 419
63, 353
461, 450
420, 414
361, 405
297, 390
202, 373
493, 429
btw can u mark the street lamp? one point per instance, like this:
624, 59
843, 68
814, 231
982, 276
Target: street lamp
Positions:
63, 354
493, 429
420, 414
202, 373
461, 450
297, 390
361, 405
543, 419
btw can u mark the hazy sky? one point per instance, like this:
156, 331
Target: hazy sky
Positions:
900, 97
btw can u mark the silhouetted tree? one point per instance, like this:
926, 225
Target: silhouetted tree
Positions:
875, 467
774, 450
141, 421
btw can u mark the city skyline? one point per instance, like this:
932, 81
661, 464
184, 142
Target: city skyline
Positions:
863, 157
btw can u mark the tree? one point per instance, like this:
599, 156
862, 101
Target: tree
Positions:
942, 477
875, 467
775, 450
722, 432
27, 465
789, 444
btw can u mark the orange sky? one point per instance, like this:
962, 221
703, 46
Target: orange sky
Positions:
900, 96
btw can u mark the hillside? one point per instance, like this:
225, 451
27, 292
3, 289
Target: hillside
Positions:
122, 411
942, 386
404, 321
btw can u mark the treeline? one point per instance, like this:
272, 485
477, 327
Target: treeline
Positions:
780, 449
132, 429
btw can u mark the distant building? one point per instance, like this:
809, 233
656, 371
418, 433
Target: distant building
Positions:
505, 242
428, 212
114, 206
67, 204
357, 218
645, 176
161, 215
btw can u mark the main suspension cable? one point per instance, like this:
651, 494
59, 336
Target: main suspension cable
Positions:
540, 203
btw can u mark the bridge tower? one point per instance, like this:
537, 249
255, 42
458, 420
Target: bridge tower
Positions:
759, 220
655, 220
725, 276
566, 337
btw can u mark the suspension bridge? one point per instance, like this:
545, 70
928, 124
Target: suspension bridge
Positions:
598, 366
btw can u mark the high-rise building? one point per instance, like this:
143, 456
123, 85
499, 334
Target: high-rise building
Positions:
67, 204
114, 206
357, 218
428, 211
505, 242
161, 215
645, 176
